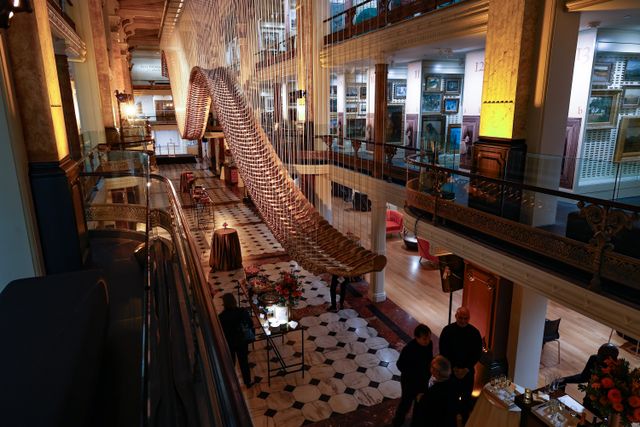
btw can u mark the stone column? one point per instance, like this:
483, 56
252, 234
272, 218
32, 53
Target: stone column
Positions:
101, 54
19, 245
380, 118
66, 95
526, 327
92, 126
307, 57
55, 185
379, 245
547, 120
508, 73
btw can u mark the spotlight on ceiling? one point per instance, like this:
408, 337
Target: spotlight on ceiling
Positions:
8, 8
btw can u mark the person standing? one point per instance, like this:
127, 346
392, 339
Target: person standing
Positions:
435, 408
234, 321
333, 291
461, 344
414, 365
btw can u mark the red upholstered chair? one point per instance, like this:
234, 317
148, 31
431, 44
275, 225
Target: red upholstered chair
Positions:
394, 222
424, 251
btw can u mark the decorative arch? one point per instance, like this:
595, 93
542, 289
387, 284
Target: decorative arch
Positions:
300, 229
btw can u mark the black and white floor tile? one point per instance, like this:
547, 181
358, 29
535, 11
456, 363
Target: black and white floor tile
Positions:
348, 365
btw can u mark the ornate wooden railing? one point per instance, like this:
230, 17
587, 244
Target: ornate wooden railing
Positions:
596, 257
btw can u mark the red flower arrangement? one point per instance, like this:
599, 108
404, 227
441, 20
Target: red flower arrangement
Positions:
289, 289
615, 389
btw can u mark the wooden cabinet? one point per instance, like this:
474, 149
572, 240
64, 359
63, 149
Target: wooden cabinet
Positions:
488, 297
503, 161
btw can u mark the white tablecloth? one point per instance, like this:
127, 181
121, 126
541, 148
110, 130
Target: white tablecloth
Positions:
488, 411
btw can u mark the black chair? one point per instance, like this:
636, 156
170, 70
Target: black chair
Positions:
552, 333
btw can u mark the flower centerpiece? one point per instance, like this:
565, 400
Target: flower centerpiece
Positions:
614, 390
289, 289
251, 271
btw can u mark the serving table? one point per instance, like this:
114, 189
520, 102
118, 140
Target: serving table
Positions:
225, 250
495, 407
268, 329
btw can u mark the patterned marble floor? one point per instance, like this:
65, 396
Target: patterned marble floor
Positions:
348, 365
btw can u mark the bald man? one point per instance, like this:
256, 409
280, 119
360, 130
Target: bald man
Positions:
461, 343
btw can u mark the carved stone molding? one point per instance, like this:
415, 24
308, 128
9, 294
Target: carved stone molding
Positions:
75, 46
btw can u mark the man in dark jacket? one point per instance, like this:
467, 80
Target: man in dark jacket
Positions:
414, 363
232, 319
436, 407
461, 344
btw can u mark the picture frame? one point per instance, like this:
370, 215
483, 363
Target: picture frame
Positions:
432, 83
454, 133
470, 133
602, 109
431, 102
352, 92
399, 90
452, 86
431, 132
628, 141
631, 97
272, 38
450, 105
601, 73
363, 92
632, 70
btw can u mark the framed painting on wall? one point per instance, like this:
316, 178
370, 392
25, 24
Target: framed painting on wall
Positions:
431, 102
452, 86
631, 97
601, 73
399, 90
352, 92
432, 83
451, 105
628, 142
602, 110
632, 71
432, 127
363, 92
453, 138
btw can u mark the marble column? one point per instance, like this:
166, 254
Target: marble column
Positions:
379, 245
55, 185
92, 126
19, 245
547, 119
509, 71
66, 94
380, 118
108, 103
526, 327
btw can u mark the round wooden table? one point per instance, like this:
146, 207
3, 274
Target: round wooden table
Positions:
225, 250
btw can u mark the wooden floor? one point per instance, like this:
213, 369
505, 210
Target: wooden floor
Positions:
416, 289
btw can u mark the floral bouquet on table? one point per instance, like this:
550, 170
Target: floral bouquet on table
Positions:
251, 271
289, 289
615, 389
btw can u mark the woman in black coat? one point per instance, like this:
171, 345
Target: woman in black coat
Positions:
232, 318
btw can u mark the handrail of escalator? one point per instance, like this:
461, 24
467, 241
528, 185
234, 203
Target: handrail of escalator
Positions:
219, 373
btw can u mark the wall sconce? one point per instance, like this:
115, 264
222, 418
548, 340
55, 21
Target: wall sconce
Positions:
8, 8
